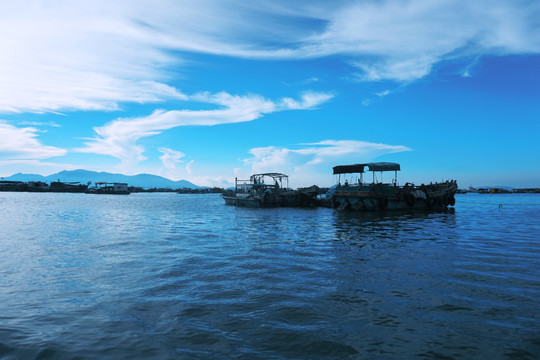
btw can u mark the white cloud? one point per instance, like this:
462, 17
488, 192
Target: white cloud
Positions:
38, 123
395, 39
395, 69
85, 55
170, 157
96, 54
119, 137
268, 159
22, 144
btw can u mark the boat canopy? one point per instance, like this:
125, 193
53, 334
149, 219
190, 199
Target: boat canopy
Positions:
273, 175
259, 178
359, 168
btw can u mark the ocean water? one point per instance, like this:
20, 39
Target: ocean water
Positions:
167, 276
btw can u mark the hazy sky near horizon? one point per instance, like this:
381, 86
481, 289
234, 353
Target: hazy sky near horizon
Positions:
209, 90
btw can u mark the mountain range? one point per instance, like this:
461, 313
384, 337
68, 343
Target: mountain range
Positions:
85, 176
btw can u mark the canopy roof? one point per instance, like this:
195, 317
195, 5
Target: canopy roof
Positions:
359, 168
272, 175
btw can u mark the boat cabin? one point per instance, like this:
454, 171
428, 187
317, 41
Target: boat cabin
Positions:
114, 187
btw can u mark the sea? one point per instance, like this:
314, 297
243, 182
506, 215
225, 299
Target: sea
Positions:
170, 276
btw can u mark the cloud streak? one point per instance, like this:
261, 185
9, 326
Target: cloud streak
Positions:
85, 56
21, 144
119, 137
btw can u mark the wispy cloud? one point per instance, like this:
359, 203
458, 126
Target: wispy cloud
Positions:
22, 144
379, 95
383, 93
119, 137
189, 166
309, 100
305, 158
403, 40
96, 54
170, 157
38, 123
308, 81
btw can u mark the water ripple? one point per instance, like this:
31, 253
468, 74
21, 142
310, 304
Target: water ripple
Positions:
171, 276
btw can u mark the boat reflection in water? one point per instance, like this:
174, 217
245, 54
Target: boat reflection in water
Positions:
355, 194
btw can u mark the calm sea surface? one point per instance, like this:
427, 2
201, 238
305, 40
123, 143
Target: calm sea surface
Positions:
167, 276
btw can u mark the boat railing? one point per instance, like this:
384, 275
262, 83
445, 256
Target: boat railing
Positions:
257, 185
366, 184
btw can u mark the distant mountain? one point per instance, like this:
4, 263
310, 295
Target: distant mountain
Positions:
25, 177
85, 176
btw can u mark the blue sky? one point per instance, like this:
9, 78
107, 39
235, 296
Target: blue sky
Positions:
210, 90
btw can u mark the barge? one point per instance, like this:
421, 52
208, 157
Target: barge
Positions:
355, 194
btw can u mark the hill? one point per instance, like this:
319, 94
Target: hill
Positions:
85, 176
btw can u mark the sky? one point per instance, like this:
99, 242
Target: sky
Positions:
210, 90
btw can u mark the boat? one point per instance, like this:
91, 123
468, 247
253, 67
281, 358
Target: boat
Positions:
109, 188
269, 190
68, 187
37, 186
7, 185
40, 186
355, 194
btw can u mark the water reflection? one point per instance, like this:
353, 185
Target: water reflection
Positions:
392, 229
391, 274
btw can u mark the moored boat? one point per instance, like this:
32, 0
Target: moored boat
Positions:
355, 194
6, 185
68, 187
37, 186
109, 188
269, 190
